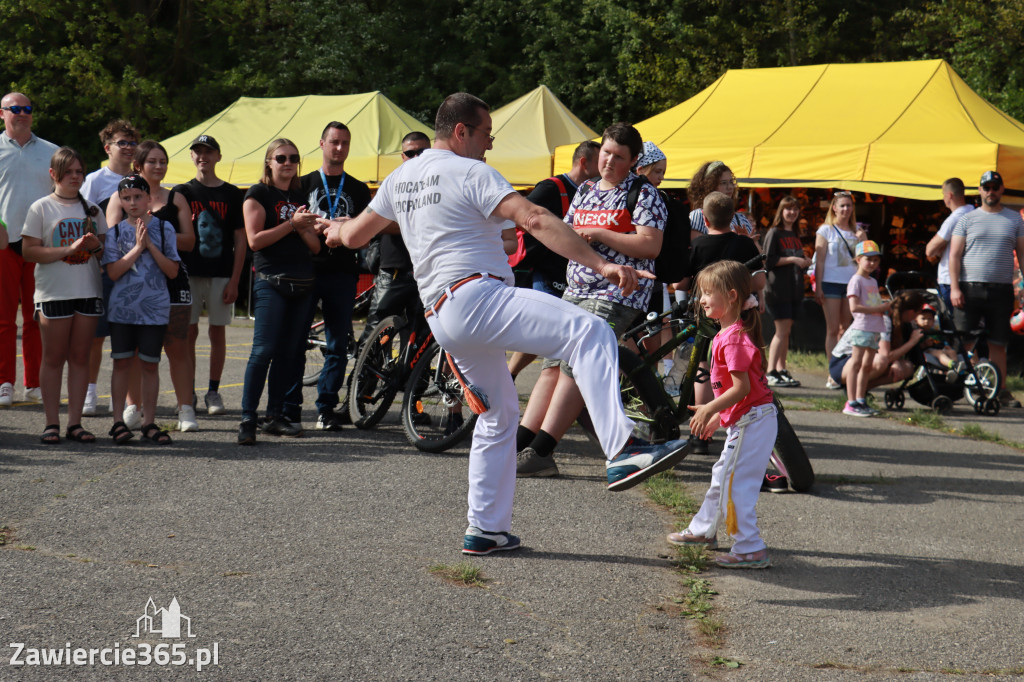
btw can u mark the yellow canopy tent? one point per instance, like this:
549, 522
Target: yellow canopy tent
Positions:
896, 128
245, 128
526, 133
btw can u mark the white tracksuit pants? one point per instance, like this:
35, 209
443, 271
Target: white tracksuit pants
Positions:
480, 321
757, 429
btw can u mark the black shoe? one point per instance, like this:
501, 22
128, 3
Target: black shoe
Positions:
774, 483
328, 421
699, 446
247, 432
280, 426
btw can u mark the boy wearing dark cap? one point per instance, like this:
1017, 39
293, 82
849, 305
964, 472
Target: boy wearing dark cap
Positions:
215, 264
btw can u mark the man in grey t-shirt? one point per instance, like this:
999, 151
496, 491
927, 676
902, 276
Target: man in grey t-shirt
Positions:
981, 271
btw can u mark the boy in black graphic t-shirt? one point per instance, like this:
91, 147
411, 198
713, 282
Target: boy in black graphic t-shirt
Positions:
215, 264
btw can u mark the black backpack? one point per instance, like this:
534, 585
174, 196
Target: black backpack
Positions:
671, 264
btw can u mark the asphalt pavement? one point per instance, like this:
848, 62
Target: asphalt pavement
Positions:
310, 558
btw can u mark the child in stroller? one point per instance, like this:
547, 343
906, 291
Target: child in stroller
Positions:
935, 382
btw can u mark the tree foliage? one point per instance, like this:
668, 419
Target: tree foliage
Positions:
167, 64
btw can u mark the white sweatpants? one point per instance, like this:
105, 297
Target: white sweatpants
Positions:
477, 324
758, 429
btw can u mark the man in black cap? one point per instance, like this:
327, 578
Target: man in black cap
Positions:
981, 271
215, 264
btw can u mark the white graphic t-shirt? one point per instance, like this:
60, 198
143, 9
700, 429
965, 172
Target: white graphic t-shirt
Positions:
56, 223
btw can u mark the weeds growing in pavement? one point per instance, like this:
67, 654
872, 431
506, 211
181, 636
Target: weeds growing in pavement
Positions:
668, 491
927, 419
463, 573
723, 662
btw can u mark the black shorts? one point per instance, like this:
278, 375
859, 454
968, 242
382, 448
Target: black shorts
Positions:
125, 339
991, 304
56, 310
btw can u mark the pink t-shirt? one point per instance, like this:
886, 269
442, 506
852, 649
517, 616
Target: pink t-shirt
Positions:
733, 351
865, 290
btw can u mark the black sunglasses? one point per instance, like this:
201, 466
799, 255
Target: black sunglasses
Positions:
413, 153
18, 109
293, 158
992, 186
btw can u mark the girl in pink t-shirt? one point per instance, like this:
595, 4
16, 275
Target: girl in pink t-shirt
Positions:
743, 405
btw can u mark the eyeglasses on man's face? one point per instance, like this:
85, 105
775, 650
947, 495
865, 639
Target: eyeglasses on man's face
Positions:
125, 144
490, 138
413, 153
992, 186
290, 158
19, 109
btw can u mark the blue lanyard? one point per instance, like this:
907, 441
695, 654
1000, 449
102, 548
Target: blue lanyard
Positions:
332, 204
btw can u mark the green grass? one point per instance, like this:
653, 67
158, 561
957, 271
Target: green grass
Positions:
925, 418
463, 573
805, 360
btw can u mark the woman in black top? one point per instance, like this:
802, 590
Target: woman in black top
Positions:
282, 235
150, 162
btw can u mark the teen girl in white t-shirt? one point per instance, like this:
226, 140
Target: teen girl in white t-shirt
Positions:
62, 235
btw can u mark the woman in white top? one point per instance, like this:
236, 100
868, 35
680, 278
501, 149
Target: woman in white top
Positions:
62, 235
715, 176
834, 246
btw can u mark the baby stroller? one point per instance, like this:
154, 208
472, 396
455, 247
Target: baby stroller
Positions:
929, 384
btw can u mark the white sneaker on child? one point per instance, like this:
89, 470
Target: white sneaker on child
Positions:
187, 418
132, 417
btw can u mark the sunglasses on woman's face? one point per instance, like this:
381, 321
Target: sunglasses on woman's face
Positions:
291, 158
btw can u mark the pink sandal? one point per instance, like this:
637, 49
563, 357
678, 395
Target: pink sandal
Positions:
752, 560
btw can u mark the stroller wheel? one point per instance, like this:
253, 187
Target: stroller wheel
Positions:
890, 398
979, 406
992, 406
942, 405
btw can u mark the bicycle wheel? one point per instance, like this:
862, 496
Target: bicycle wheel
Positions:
434, 414
315, 347
644, 400
986, 387
790, 457
373, 377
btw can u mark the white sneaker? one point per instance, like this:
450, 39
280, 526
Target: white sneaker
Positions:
89, 406
187, 418
6, 394
831, 384
132, 417
214, 403
34, 395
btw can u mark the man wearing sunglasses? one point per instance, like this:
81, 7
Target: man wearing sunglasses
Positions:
981, 271
333, 193
24, 177
452, 210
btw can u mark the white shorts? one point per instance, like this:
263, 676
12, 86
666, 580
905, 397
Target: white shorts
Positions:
208, 292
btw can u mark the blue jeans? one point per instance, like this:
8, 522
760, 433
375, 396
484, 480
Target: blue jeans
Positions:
944, 292
336, 292
278, 349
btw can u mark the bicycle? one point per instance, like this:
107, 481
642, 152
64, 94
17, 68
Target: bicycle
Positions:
434, 413
658, 416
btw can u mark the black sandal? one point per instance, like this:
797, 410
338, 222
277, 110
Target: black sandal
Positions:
120, 433
78, 434
153, 433
51, 435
